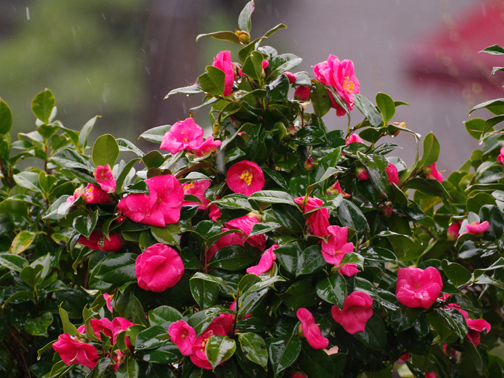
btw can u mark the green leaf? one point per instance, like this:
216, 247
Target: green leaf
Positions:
284, 352
494, 217
69, 159
27, 180
404, 319
429, 187
494, 50
166, 354
43, 104
262, 228
124, 173
289, 217
204, 292
273, 196
86, 224
375, 335
5, 117
22, 242
86, 130
254, 348
430, 150
156, 134
287, 66
455, 321
234, 202
244, 19
495, 106
219, 349
168, 235
13, 262
300, 294
116, 269
152, 338
31, 275
368, 110
333, 289
212, 81
222, 35
320, 99
68, 327
164, 316
38, 326
127, 146
386, 106
233, 258
316, 363
105, 150
275, 29
128, 369
253, 65
456, 273
310, 261
351, 216
140, 187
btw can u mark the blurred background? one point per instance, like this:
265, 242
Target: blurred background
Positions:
119, 58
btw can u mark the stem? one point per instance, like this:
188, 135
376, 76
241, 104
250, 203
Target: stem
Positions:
6, 175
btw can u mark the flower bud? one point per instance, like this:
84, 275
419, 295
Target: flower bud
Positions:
362, 173
398, 124
302, 93
387, 209
310, 164
243, 36
292, 130
292, 78
453, 231
336, 189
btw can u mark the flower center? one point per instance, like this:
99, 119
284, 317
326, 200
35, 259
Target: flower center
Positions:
247, 176
89, 192
186, 138
348, 84
188, 186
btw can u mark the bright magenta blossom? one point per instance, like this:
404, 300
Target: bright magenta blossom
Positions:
103, 174
318, 220
198, 357
245, 177
392, 174
354, 138
265, 64
108, 301
198, 189
118, 360
432, 173
183, 135
118, 325
183, 335
101, 325
223, 62
95, 194
336, 246
226, 321
245, 224
348, 270
214, 213
265, 263
430, 375
229, 239
158, 268
79, 192
362, 174
357, 310
476, 326
453, 231
340, 76
159, 208
500, 158
302, 93
311, 330
417, 287
111, 244
74, 351
292, 78
336, 189
477, 228
209, 145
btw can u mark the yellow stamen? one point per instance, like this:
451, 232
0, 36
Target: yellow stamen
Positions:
348, 84
247, 176
188, 186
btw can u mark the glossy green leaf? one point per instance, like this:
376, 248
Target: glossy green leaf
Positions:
404, 318
105, 150
164, 316
375, 334
86, 224
222, 35
300, 294
117, 269
5, 117
430, 150
273, 196
284, 352
68, 327
316, 362
129, 369
493, 50
127, 146
233, 258
156, 134
86, 130
275, 29
152, 338
234, 202
38, 326
386, 106
43, 104
168, 235
13, 262
351, 216
263, 228
333, 289
218, 349
456, 273
22, 242
254, 348
495, 106
320, 100
368, 110
253, 65
204, 292
244, 19
212, 81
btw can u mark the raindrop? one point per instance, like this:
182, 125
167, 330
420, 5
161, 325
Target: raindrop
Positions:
28, 13
187, 95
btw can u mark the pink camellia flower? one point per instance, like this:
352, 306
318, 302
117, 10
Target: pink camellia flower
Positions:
208, 146
348, 270
476, 326
245, 177
82, 329
108, 301
336, 189
500, 158
103, 174
223, 62
183, 335
111, 244
118, 360
357, 310
477, 228
265, 263
298, 374
118, 325
79, 192
229, 239
354, 138
245, 224
362, 174
265, 64
444, 297
159, 208
336, 246
95, 194
417, 287
74, 351
452, 353
453, 231
302, 93
232, 308
392, 174
104, 325
183, 135
318, 220
430, 375
226, 321
311, 330
432, 173
158, 268
341, 76
214, 213
292, 78
198, 189
198, 357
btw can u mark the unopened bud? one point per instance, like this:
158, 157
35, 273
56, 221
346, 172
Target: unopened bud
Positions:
292, 78
310, 164
398, 124
255, 214
336, 189
302, 93
362, 173
243, 36
292, 130
453, 231
387, 209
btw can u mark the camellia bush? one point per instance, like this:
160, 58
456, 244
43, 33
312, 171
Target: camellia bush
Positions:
272, 248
